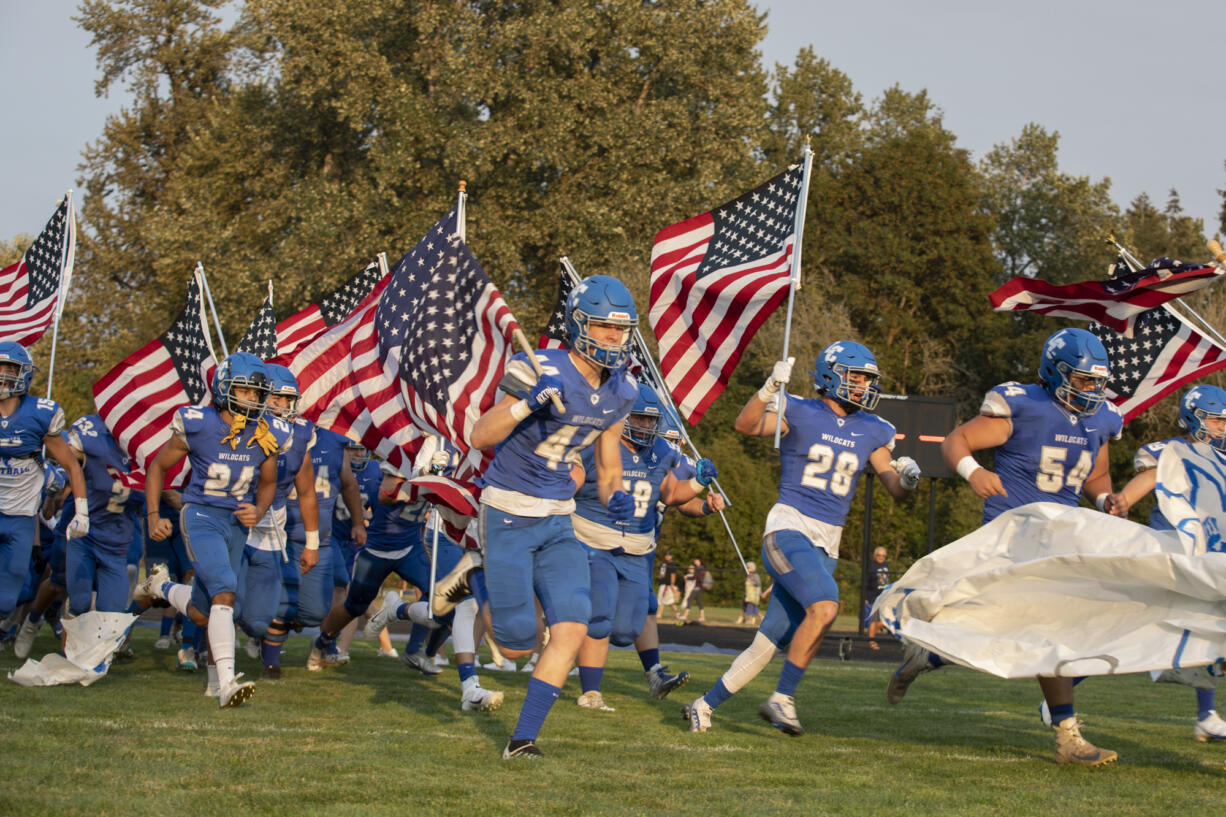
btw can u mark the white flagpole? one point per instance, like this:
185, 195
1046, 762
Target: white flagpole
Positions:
1134, 264
462, 212
674, 415
795, 280
69, 249
204, 279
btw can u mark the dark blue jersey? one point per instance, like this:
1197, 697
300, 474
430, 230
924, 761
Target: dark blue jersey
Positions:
327, 459
111, 503
223, 476
643, 472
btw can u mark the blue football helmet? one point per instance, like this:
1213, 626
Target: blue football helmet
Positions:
1199, 404
359, 457
281, 381
240, 369
643, 425
835, 363
600, 299
16, 383
669, 429
1071, 352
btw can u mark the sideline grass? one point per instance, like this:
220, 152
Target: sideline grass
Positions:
375, 738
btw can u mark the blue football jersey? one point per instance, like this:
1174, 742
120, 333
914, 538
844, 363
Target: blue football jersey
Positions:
823, 455
111, 502
643, 472
537, 455
327, 457
21, 445
396, 527
222, 476
1145, 459
1050, 452
369, 480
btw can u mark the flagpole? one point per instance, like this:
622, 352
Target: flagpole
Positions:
794, 283
674, 415
204, 279
68, 250
1135, 264
461, 216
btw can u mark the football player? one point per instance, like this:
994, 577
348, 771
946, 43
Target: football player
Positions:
826, 444
1051, 440
230, 469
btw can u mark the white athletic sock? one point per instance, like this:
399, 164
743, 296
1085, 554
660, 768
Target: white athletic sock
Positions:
221, 642
179, 596
462, 627
749, 663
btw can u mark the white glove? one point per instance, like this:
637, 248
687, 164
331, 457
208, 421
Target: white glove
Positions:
79, 526
908, 472
780, 375
440, 461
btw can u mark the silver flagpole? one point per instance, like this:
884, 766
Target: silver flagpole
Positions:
794, 283
462, 212
674, 415
204, 279
1135, 264
69, 249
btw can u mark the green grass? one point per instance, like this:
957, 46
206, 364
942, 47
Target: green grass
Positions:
373, 738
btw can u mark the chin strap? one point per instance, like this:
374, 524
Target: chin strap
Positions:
236, 427
263, 437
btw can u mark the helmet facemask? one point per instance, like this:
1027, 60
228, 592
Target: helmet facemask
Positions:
605, 355
1081, 401
641, 428
15, 377
863, 395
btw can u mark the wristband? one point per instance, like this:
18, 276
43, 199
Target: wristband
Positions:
706, 508
312, 540
520, 410
967, 466
1100, 501
82, 505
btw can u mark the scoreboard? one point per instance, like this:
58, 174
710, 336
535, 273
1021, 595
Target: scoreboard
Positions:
921, 424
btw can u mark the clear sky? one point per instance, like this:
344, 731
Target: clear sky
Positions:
1134, 88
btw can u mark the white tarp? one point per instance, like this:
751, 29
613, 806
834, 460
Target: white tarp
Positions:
92, 639
1050, 590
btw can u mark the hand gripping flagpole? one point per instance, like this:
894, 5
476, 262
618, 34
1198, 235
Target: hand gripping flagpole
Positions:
1134, 263
69, 249
794, 283
658, 384
204, 279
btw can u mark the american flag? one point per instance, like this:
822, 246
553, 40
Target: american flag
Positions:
1115, 303
456, 500
30, 289
555, 335
260, 339
1163, 353
715, 278
444, 335
298, 331
137, 398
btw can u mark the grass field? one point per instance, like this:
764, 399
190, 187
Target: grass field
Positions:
374, 738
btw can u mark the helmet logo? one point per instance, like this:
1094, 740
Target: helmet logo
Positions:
832, 353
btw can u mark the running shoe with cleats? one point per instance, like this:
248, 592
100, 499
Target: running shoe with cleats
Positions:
162, 643
1210, 728
521, 749
420, 662
454, 587
698, 713
324, 653
253, 648
914, 663
780, 712
25, 637
376, 623
594, 700
186, 659
390, 652
1071, 747
660, 683
235, 693
150, 587
271, 672
477, 698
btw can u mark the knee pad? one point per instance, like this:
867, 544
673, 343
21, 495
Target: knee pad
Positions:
600, 628
516, 631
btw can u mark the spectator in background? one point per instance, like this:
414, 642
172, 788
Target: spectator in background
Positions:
669, 592
878, 580
697, 580
753, 596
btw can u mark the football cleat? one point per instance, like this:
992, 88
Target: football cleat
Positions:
25, 637
1071, 747
698, 713
660, 683
454, 587
315, 659
521, 748
594, 700
150, 587
1210, 728
420, 662
376, 623
390, 653
1197, 677
476, 698
780, 712
272, 672
1045, 713
253, 649
187, 659
235, 693
914, 662
162, 643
